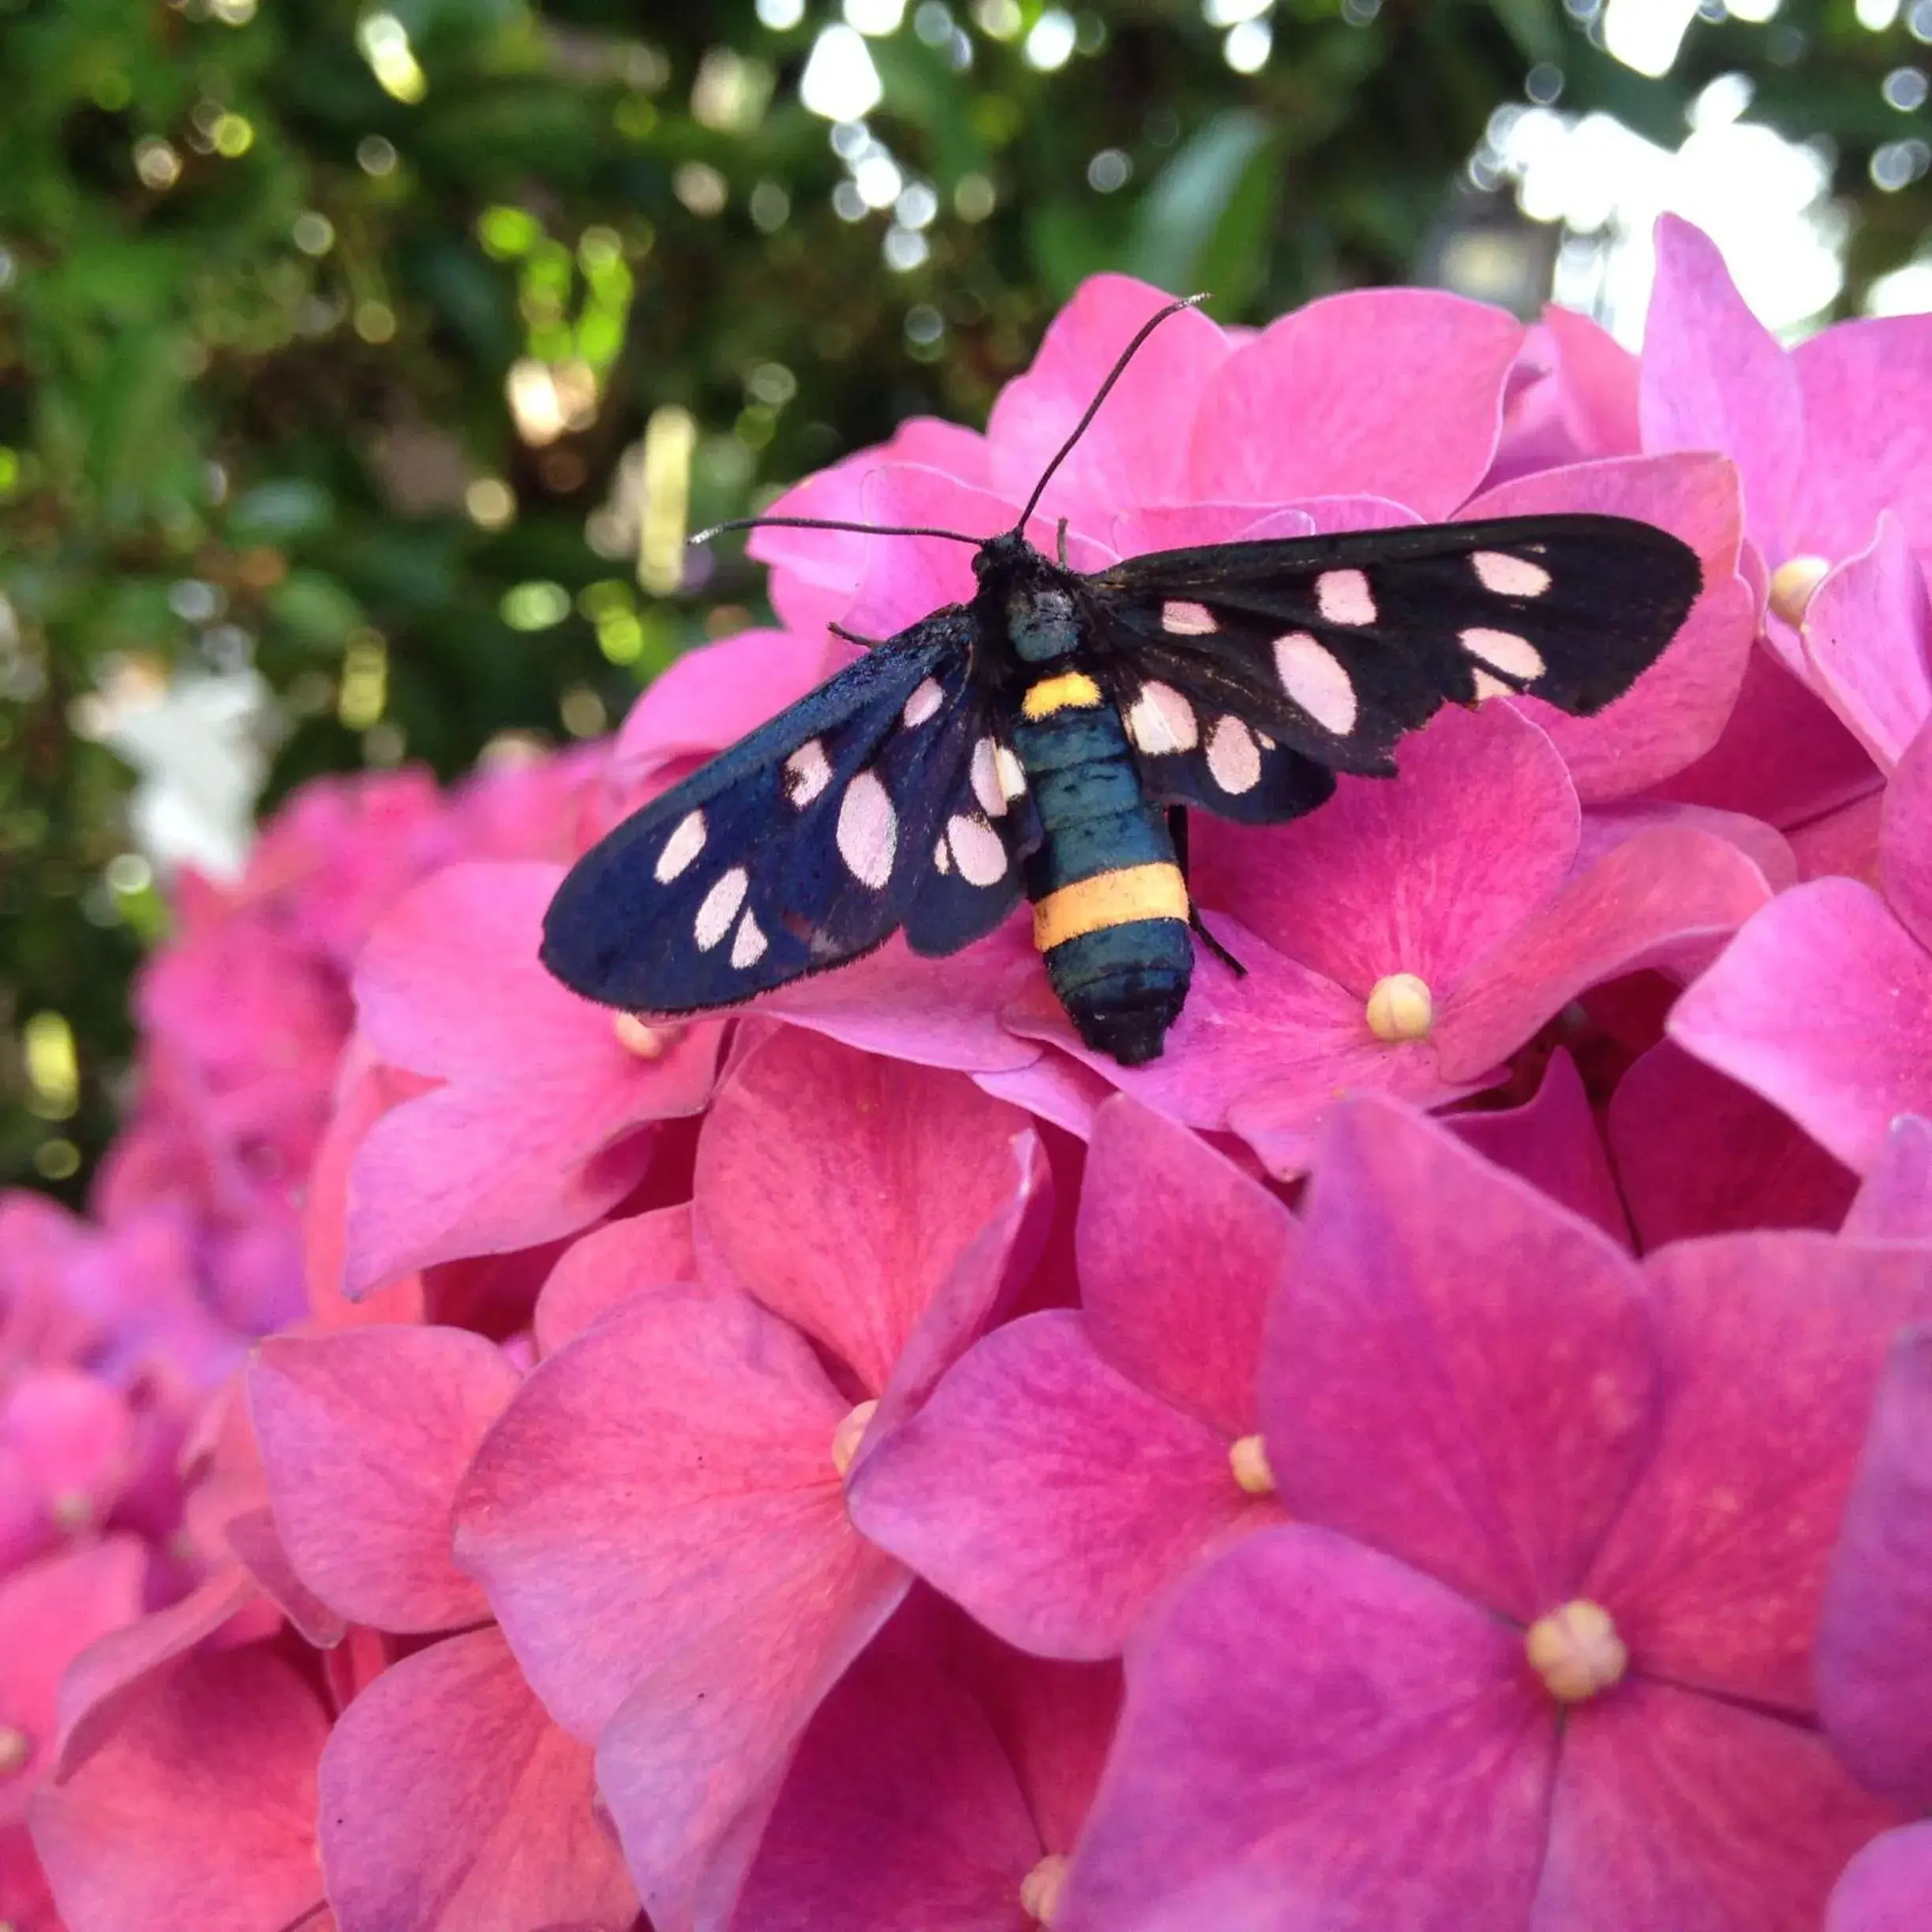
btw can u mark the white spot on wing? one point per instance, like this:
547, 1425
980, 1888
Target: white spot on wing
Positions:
1233, 756
720, 908
1161, 721
748, 947
987, 785
1509, 576
1012, 773
868, 831
686, 842
942, 856
1314, 678
980, 850
1343, 597
923, 703
1181, 618
1514, 656
808, 772
1487, 686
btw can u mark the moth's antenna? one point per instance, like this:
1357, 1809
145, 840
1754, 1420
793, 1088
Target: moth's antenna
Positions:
864, 530
1114, 376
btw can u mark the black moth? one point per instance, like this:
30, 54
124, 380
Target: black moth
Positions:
1045, 737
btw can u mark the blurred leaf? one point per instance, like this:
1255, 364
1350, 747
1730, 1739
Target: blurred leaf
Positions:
1176, 224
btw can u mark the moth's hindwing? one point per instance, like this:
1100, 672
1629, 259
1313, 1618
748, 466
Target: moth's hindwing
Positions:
1331, 647
802, 846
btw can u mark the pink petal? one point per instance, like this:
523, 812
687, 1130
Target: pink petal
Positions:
51, 1611
1157, 1202
1552, 1142
1874, 1668
1180, 527
476, 1169
365, 1090
1818, 1005
365, 1436
901, 1810
1046, 1492
1905, 839
805, 1140
1887, 1887
449, 1803
1605, 827
1783, 757
114, 1672
941, 1012
1773, 1343
1265, 1056
815, 572
660, 1498
1056, 1721
1677, 710
609, 1264
1130, 453
1423, 875
1396, 392
1868, 638
1059, 1089
1458, 1371
1714, 378
709, 697
1395, 1775
449, 983
1685, 1811
1868, 428
70, 1439
1658, 899
1698, 1153
252, 1538
199, 1809
1844, 841
1598, 380
1895, 1201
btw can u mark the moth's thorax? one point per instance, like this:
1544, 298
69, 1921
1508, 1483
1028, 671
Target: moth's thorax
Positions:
1027, 598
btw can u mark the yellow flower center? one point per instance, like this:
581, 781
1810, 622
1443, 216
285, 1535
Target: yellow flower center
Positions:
1400, 1007
849, 1434
1793, 583
1248, 1458
648, 1043
16, 1748
1576, 1650
1040, 1889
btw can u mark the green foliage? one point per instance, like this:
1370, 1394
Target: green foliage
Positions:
337, 339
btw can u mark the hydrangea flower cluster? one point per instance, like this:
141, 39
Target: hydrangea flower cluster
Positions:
1448, 1444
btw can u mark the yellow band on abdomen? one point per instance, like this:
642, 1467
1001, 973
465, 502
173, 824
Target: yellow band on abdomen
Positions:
1073, 691
1109, 899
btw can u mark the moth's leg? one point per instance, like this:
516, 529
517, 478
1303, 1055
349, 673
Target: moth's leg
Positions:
1177, 831
852, 637
1060, 542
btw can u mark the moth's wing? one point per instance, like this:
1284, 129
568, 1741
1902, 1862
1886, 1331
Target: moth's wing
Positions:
985, 824
1331, 647
802, 846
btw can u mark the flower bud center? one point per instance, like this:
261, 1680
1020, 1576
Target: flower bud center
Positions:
647, 1042
1400, 1007
1040, 1889
1248, 1457
1576, 1650
849, 1434
16, 1748
1793, 584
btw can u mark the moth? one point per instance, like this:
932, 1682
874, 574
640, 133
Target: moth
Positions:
1048, 737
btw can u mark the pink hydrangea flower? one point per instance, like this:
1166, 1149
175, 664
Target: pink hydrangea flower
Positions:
1561, 1524
1010, 1490
658, 1519
1819, 1003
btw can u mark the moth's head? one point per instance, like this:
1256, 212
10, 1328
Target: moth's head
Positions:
1000, 558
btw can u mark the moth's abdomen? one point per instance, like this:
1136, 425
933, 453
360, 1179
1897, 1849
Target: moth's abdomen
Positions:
1109, 907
